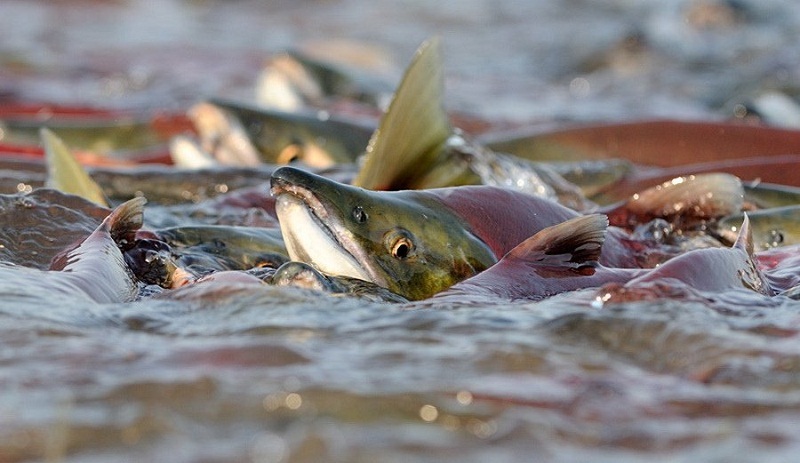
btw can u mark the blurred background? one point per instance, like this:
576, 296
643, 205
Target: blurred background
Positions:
522, 61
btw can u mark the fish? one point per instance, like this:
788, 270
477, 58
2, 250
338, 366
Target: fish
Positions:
772, 107
415, 243
167, 185
661, 143
316, 74
316, 139
685, 201
302, 275
102, 137
95, 270
774, 227
222, 138
220, 247
659, 150
761, 195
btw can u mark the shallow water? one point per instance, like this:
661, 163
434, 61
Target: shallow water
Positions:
287, 375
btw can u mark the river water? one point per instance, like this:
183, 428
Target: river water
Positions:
286, 375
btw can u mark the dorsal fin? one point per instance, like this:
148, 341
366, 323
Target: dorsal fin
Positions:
125, 220
577, 241
414, 126
65, 174
744, 240
703, 196
750, 274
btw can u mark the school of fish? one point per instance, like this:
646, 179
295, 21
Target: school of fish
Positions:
413, 209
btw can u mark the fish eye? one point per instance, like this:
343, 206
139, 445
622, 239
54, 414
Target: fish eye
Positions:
359, 214
400, 244
290, 154
401, 248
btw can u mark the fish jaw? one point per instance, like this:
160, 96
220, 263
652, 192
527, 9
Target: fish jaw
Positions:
308, 239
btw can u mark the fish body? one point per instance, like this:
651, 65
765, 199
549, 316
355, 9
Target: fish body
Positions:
302, 275
95, 270
315, 139
767, 195
565, 257
319, 74
221, 247
779, 226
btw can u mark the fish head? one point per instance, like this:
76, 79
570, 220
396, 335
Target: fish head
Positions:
405, 241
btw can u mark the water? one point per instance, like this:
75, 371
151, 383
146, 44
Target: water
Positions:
286, 375
509, 59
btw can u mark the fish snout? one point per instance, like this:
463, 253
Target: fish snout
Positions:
298, 181
286, 178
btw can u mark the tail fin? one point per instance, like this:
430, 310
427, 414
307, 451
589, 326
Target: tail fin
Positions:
414, 126
65, 174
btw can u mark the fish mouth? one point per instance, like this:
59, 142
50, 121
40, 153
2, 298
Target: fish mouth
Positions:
316, 236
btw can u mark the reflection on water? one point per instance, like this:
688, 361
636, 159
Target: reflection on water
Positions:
285, 375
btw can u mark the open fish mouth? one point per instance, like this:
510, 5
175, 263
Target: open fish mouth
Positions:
317, 237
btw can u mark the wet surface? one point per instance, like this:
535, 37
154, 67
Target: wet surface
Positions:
274, 374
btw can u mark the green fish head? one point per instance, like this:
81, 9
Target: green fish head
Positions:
405, 241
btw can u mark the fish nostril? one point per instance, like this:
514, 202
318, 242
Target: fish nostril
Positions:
359, 214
